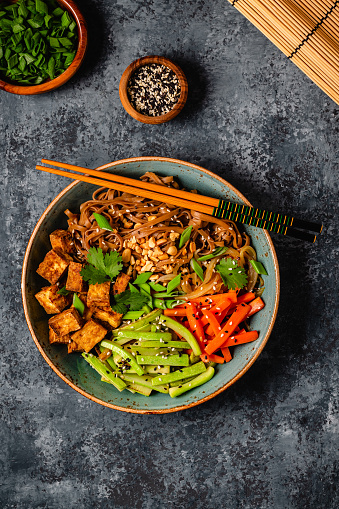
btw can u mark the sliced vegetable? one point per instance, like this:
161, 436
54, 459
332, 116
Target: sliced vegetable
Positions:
217, 252
173, 284
236, 318
258, 267
170, 360
180, 374
199, 380
146, 381
256, 305
102, 369
144, 336
126, 355
197, 269
195, 323
240, 339
78, 304
163, 344
142, 278
102, 221
33, 30
183, 332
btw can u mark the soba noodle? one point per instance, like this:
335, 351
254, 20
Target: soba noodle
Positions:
146, 233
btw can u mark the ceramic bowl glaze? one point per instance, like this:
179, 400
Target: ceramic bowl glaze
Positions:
72, 368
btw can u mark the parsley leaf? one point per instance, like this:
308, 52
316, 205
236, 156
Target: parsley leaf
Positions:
101, 267
233, 276
128, 300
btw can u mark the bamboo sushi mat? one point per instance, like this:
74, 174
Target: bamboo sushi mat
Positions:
306, 31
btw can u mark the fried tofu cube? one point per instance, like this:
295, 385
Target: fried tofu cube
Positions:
61, 240
74, 282
121, 283
54, 338
66, 322
107, 315
74, 347
51, 301
91, 333
98, 294
54, 266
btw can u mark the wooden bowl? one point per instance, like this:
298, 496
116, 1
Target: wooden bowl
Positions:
160, 119
71, 367
48, 85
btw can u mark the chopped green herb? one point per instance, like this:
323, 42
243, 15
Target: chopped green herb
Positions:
157, 287
132, 288
197, 269
38, 30
258, 267
142, 278
63, 291
129, 301
101, 268
102, 222
185, 236
217, 252
232, 275
78, 304
173, 284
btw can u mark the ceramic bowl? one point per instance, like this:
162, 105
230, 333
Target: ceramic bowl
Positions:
72, 368
160, 119
49, 85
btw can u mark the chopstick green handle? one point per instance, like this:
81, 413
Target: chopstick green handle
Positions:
231, 210
261, 223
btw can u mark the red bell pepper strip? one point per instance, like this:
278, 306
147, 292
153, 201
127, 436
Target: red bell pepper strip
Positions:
256, 305
237, 317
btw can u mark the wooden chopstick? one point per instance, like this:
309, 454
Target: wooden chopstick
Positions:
223, 210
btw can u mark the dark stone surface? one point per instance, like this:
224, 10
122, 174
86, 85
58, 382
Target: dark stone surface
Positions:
271, 440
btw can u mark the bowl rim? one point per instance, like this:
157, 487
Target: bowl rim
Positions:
140, 62
94, 398
47, 86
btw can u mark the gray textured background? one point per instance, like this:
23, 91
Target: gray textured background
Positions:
271, 440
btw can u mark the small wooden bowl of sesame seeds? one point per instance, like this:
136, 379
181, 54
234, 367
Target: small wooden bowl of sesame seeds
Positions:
153, 90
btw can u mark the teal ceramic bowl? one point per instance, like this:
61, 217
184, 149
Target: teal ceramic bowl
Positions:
72, 368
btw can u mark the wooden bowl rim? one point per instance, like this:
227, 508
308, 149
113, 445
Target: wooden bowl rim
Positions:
135, 410
140, 62
47, 86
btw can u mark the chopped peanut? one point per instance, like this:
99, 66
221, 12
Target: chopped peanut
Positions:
172, 251
126, 255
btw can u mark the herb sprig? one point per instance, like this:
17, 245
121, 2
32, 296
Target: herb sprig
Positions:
101, 267
233, 276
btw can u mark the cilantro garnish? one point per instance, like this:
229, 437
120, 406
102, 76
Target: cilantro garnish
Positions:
101, 268
63, 291
233, 276
128, 300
